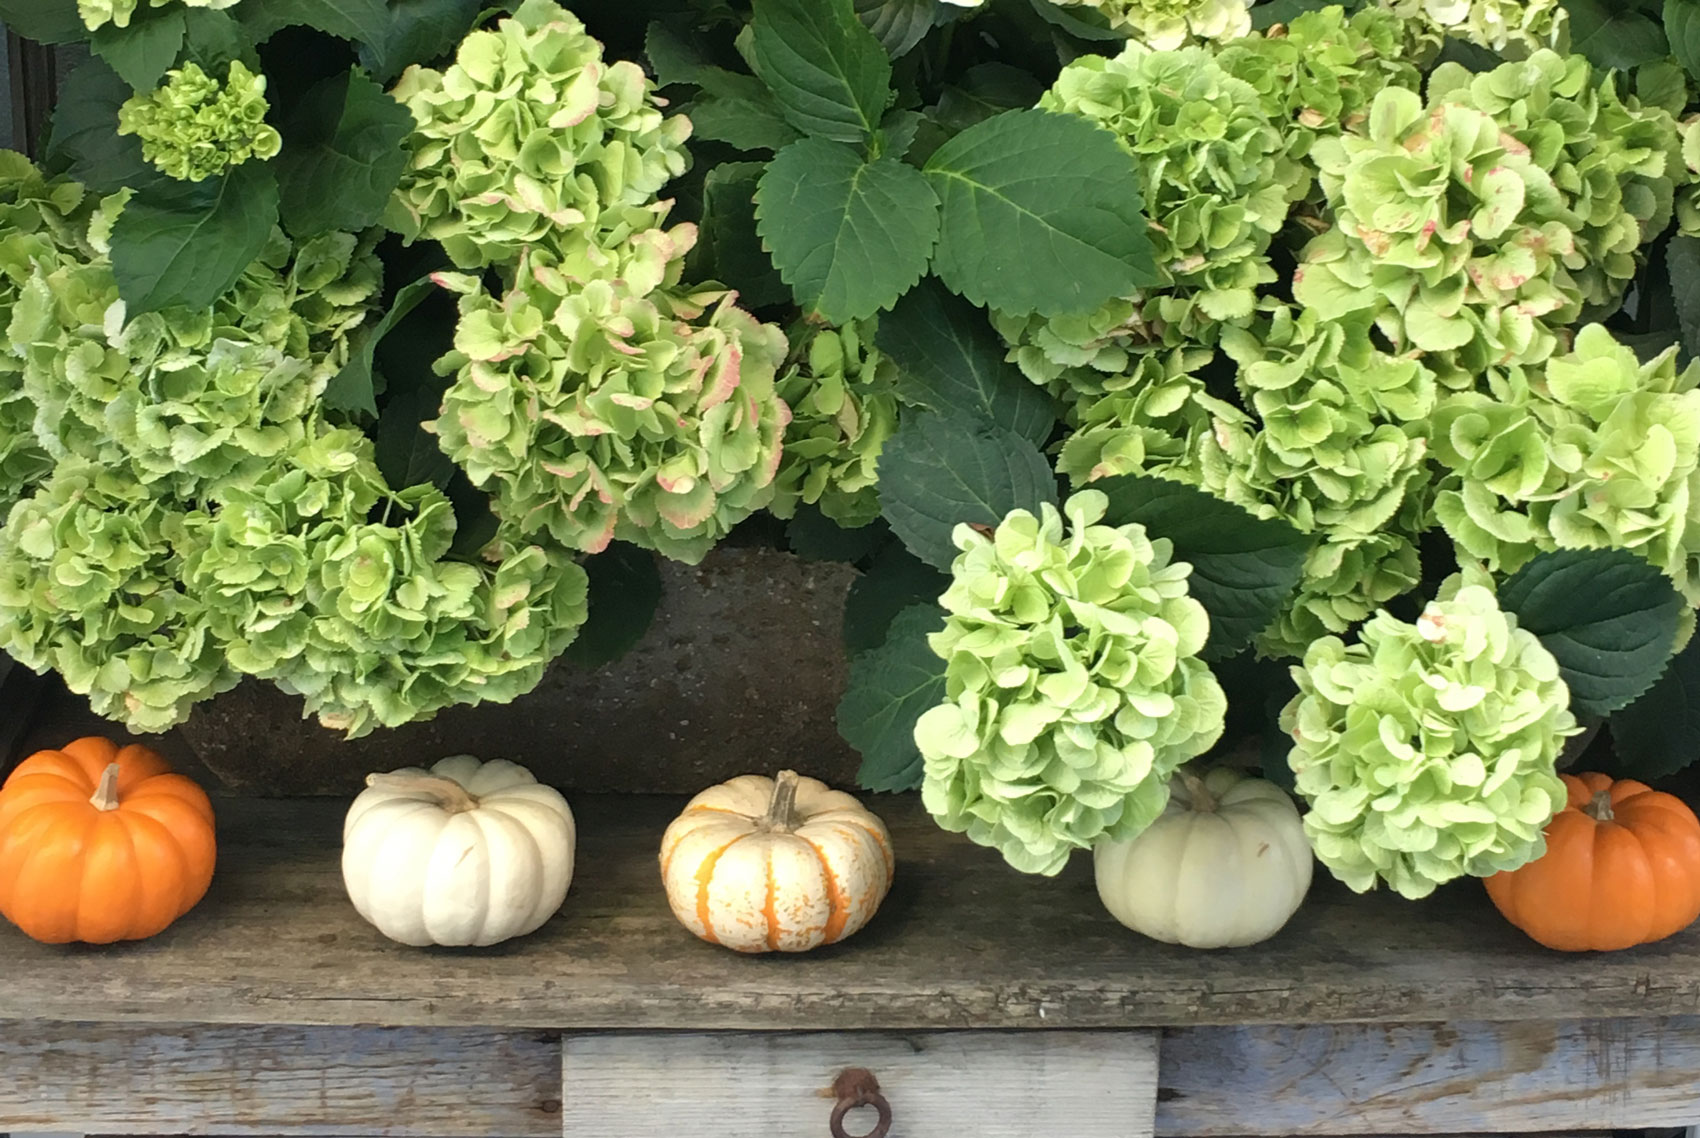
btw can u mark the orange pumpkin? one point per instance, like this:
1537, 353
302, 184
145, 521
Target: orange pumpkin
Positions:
1622, 868
100, 844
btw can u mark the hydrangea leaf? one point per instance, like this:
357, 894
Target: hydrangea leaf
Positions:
345, 156
674, 60
417, 31
1682, 259
898, 24
890, 687
213, 38
1613, 35
741, 113
1087, 24
940, 471
1244, 568
1659, 734
1041, 213
44, 21
143, 52
730, 242
848, 236
188, 247
1608, 617
364, 21
352, 389
406, 453
895, 580
950, 359
625, 591
831, 76
1682, 29
85, 133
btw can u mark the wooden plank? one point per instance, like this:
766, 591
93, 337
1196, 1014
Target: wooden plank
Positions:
333, 1082
1429, 1078
962, 942
938, 1084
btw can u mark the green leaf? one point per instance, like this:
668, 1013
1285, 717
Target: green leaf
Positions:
890, 688
730, 239
831, 76
985, 90
1244, 568
364, 21
351, 389
406, 453
1040, 214
187, 246
44, 21
1682, 29
343, 155
673, 60
815, 537
1682, 260
85, 134
895, 580
417, 31
940, 471
740, 112
1077, 23
1614, 35
949, 358
1659, 734
1609, 617
1285, 12
213, 39
143, 52
848, 236
625, 590
898, 24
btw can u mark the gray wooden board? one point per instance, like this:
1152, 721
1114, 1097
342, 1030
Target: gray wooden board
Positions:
939, 1084
963, 941
1417, 1079
455, 1083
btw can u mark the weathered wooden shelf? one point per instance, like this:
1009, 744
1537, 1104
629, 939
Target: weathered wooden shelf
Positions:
963, 942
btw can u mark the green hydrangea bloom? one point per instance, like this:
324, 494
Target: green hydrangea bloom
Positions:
1217, 185
1167, 24
193, 127
1601, 451
1319, 74
1513, 28
187, 398
1074, 685
1154, 418
594, 410
1346, 578
1615, 161
90, 587
531, 138
1427, 750
843, 400
1688, 203
97, 14
373, 621
1448, 232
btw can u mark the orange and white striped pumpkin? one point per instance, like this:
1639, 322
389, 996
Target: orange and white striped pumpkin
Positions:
775, 865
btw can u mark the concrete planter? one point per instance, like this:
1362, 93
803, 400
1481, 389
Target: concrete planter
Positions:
741, 672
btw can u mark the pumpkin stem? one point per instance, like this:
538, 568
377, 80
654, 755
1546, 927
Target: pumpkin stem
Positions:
782, 809
1599, 807
450, 795
1202, 800
106, 794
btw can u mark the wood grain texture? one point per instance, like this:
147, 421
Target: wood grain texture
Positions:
939, 1084
1357, 1079
962, 942
255, 1081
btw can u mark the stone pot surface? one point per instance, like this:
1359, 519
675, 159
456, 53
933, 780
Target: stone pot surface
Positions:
740, 673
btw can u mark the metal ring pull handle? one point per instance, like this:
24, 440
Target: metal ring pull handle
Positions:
855, 1087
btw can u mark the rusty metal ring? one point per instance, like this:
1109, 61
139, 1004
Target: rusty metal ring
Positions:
856, 1087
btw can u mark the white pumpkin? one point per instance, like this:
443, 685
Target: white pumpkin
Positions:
1226, 865
467, 853
775, 865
